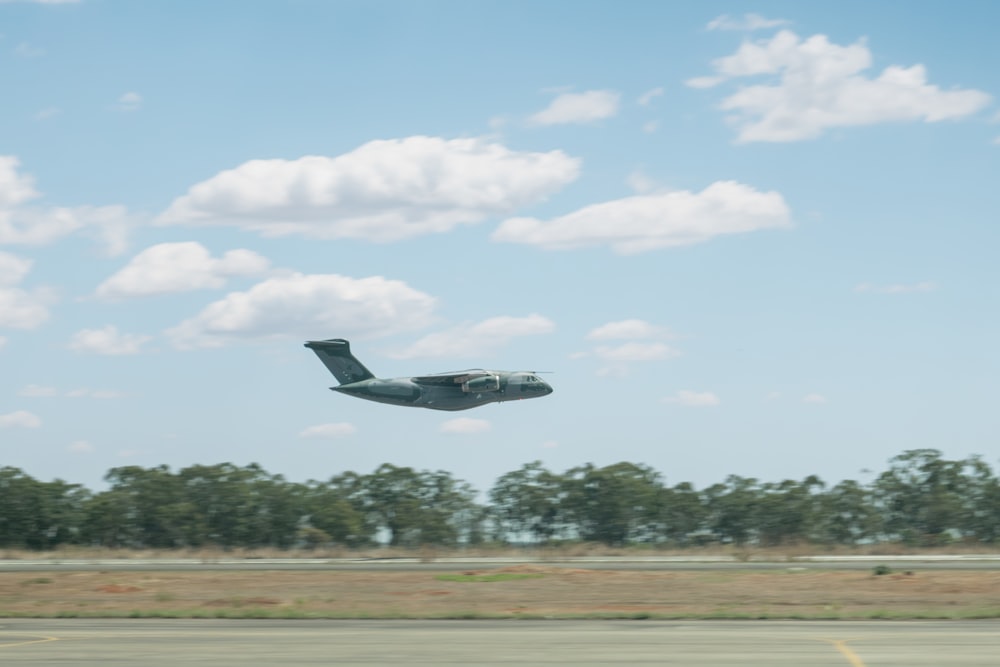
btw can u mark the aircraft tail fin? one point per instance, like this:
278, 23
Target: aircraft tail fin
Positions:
336, 356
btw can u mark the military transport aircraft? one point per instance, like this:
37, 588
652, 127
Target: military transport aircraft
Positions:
459, 390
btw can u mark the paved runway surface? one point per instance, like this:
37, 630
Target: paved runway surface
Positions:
226, 643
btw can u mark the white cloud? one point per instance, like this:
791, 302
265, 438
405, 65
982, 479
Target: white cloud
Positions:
747, 23
20, 309
179, 267
26, 50
107, 341
578, 108
14, 188
13, 268
640, 183
80, 447
649, 96
641, 346
648, 222
463, 425
130, 101
381, 191
651, 126
693, 399
911, 288
471, 340
550, 444
307, 307
47, 112
628, 329
634, 351
41, 391
336, 430
20, 419
38, 391
821, 86
86, 392
816, 399
35, 225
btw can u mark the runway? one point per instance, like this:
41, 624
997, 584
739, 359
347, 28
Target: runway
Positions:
226, 643
650, 563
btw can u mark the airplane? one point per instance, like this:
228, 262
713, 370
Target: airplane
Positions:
459, 390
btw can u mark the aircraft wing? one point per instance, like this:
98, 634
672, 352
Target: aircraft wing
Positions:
450, 379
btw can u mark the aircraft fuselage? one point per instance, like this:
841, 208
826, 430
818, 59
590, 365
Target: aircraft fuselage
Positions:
496, 387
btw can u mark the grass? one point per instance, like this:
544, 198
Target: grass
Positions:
529, 591
498, 576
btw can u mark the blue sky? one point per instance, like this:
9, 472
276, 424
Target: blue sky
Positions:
746, 238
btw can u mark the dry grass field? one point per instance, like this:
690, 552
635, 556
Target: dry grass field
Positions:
522, 591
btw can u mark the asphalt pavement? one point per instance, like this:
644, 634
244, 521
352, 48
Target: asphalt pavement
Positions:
229, 643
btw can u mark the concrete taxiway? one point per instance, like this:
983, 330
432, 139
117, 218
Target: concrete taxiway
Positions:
227, 643
650, 563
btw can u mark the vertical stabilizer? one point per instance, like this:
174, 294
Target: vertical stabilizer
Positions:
336, 356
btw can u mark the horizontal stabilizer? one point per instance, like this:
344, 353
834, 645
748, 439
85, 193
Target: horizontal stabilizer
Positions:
336, 356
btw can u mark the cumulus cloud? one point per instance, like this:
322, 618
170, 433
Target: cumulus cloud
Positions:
130, 101
382, 191
648, 222
578, 108
463, 425
107, 341
898, 288
38, 391
87, 392
635, 351
693, 399
19, 308
472, 340
821, 85
23, 224
20, 419
649, 96
13, 268
308, 307
80, 447
631, 328
643, 342
746, 23
179, 267
42, 391
329, 431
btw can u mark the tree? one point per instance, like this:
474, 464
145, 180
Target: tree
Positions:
847, 515
614, 504
416, 508
921, 497
525, 504
732, 509
785, 511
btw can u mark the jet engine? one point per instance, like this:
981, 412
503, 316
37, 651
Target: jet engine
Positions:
481, 384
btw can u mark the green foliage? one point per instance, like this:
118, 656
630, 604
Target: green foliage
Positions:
922, 499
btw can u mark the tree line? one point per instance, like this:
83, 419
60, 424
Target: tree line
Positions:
922, 499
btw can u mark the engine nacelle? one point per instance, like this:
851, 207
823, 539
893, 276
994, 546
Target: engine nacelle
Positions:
481, 384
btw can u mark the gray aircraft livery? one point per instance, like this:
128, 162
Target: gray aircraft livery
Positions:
459, 390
